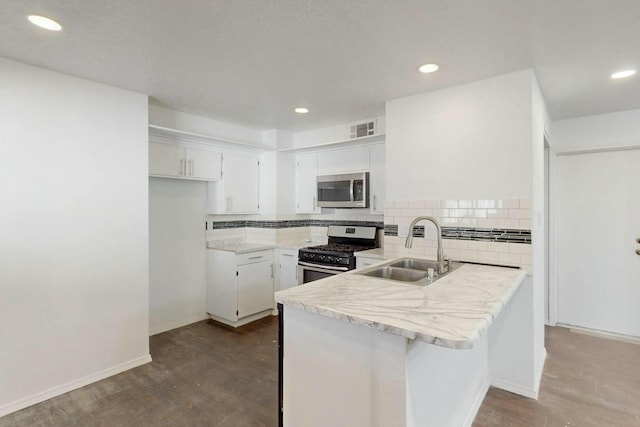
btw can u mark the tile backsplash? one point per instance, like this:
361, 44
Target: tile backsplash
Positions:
486, 230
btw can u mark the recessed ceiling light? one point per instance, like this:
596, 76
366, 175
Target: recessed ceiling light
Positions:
623, 74
44, 22
301, 110
428, 68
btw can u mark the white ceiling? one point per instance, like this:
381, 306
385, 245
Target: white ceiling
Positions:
252, 61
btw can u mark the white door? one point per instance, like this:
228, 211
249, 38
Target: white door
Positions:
255, 288
597, 224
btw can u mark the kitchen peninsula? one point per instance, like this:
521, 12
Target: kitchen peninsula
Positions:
359, 350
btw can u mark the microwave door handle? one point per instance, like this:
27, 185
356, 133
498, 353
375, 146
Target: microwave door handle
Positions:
351, 187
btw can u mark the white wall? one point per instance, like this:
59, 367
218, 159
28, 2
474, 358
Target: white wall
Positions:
74, 249
471, 141
176, 253
600, 131
540, 121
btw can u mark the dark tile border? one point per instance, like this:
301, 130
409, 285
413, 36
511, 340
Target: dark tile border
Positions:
469, 233
218, 225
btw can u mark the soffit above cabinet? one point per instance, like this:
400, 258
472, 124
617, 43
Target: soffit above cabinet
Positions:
165, 134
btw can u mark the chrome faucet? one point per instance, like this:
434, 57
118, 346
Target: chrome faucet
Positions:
442, 267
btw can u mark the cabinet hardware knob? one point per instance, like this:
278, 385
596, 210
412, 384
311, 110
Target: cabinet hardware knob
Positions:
637, 251
638, 240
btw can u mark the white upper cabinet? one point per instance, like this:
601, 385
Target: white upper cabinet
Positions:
306, 173
377, 177
203, 164
238, 190
177, 161
166, 160
344, 160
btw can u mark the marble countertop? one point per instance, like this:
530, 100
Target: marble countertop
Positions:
452, 312
242, 248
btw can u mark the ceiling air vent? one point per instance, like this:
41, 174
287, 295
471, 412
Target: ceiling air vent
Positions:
359, 130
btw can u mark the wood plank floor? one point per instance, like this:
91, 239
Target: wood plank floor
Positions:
208, 375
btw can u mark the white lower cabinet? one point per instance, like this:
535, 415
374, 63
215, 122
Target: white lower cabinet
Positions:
362, 261
288, 275
239, 286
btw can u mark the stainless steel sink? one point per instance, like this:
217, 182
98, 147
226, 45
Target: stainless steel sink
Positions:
395, 273
416, 264
408, 270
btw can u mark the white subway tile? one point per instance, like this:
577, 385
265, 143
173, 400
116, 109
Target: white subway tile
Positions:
519, 248
459, 244
487, 223
497, 247
468, 222
477, 246
417, 204
525, 203
448, 203
388, 204
498, 213
509, 223
526, 258
487, 204
509, 203
488, 256
432, 204
449, 222
424, 212
509, 258
479, 213
520, 213
457, 213
441, 213
401, 204
525, 224
466, 204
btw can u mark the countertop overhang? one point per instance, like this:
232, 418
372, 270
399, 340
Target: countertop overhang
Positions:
452, 312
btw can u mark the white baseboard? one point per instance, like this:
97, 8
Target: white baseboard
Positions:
71, 385
178, 324
477, 403
515, 388
601, 334
242, 321
539, 371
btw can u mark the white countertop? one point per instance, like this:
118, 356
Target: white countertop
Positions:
452, 312
241, 248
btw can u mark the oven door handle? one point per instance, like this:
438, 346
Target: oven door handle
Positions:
323, 267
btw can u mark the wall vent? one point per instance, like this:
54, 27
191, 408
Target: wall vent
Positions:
359, 130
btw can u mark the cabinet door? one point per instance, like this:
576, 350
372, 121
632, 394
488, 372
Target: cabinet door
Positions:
306, 173
240, 178
166, 160
345, 160
288, 270
203, 164
377, 178
255, 288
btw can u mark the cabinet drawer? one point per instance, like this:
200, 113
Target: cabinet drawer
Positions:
251, 257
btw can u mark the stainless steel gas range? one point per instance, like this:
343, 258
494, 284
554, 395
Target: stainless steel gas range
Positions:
337, 256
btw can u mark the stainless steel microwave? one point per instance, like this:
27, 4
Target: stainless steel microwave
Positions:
344, 190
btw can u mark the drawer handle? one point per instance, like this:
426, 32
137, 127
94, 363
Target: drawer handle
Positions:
255, 257
287, 255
